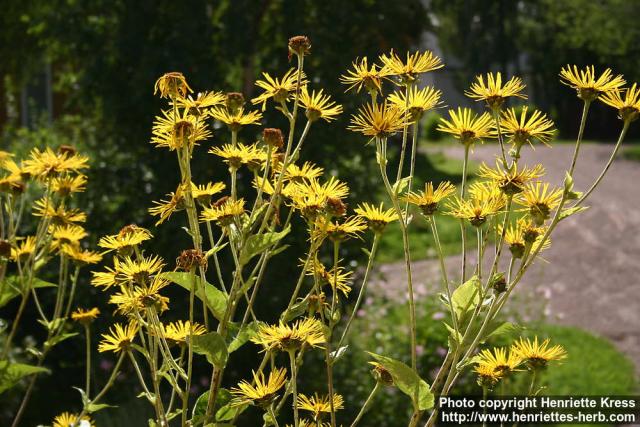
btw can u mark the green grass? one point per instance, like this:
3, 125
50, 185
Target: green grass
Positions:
631, 152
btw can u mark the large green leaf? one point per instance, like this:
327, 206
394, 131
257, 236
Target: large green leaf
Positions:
11, 373
244, 334
223, 409
11, 288
407, 381
259, 242
466, 296
216, 299
213, 346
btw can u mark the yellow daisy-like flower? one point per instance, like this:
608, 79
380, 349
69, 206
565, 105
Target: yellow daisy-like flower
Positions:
313, 197
278, 89
263, 393
81, 256
223, 211
523, 129
235, 120
319, 405
379, 120
165, 208
104, 279
172, 84
524, 233
537, 355
282, 337
139, 270
487, 376
428, 199
478, 208
126, 240
175, 132
539, 200
239, 155
67, 235
137, 299
510, 181
587, 85
24, 249
376, 217
499, 360
415, 64
307, 172
466, 126
629, 106
203, 193
493, 91
119, 338
364, 76
13, 182
338, 231
48, 164
338, 279
418, 102
67, 419
202, 103
67, 185
319, 105
84, 316
58, 215
178, 332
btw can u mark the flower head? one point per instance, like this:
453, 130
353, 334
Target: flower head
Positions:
338, 231
319, 405
119, 338
493, 91
223, 211
23, 249
521, 129
486, 200
466, 126
240, 154
537, 355
539, 200
80, 256
428, 199
280, 90
67, 185
263, 393
587, 85
378, 120
177, 131
178, 332
126, 240
499, 361
407, 71
84, 316
172, 85
67, 419
202, 103
319, 105
629, 106
58, 215
510, 180
418, 102
235, 120
48, 164
376, 217
364, 76
283, 337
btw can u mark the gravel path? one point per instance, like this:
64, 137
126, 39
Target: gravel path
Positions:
592, 279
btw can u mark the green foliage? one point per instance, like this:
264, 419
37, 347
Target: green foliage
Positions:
11, 373
215, 299
213, 346
11, 288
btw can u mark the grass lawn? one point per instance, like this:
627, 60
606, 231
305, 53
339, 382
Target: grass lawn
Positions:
631, 152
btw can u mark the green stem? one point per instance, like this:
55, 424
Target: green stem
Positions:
87, 386
463, 227
583, 122
366, 404
294, 385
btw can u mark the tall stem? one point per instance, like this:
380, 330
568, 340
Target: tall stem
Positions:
366, 404
583, 121
294, 387
87, 334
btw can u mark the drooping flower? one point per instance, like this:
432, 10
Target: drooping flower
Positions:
629, 106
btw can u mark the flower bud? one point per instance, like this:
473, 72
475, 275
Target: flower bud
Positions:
273, 137
234, 101
299, 45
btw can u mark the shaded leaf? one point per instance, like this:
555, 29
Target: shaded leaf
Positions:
257, 243
11, 373
245, 334
11, 287
216, 299
466, 296
213, 346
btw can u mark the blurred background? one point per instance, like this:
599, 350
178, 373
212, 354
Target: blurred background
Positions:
82, 73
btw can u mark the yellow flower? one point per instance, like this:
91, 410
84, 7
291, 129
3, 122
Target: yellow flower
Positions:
525, 129
364, 76
305, 332
139, 270
203, 102
23, 250
67, 235
378, 120
428, 199
125, 241
175, 132
510, 181
319, 105
537, 355
493, 91
350, 227
376, 217
487, 376
313, 197
119, 338
177, 332
588, 87
499, 360
629, 107
466, 126
137, 299
319, 405
263, 393
13, 182
223, 211
416, 63
486, 200
48, 164
202, 193
235, 120
67, 185
81, 256
85, 316
165, 208
307, 172
278, 89
172, 84
58, 215
105, 279
67, 419
338, 279
522, 234
236, 156
417, 102
539, 200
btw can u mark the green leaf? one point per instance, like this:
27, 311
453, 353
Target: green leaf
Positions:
257, 243
222, 408
216, 299
296, 310
215, 250
399, 186
244, 334
407, 381
466, 296
11, 288
212, 346
58, 339
11, 373
566, 213
502, 329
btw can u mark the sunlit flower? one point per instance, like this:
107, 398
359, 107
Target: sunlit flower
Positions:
428, 199
202, 103
521, 129
165, 208
629, 106
24, 249
466, 126
278, 89
263, 393
67, 419
539, 200
104, 279
137, 299
235, 120
378, 120
337, 278
338, 231
537, 355
48, 164
587, 85
58, 215
224, 211
510, 180
307, 172
493, 91
407, 71
524, 233
67, 185
138, 270
84, 316
376, 217
125, 241
67, 235
119, 338
418, 102
486, 200
81, 256
203, 193
240, 154
319, 105
319, 405
364, 76
283, 337
501, 361
178, 332
177, 131
172, 84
